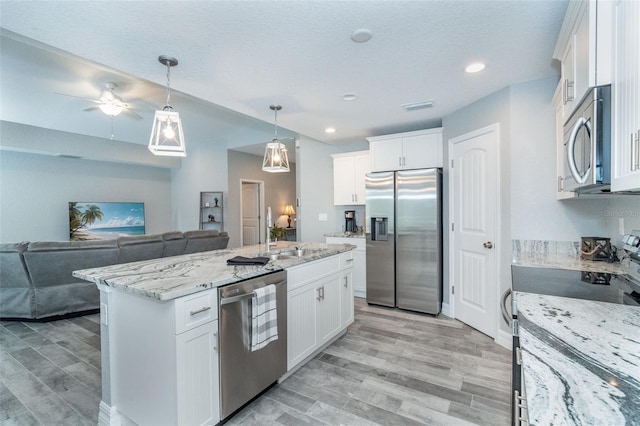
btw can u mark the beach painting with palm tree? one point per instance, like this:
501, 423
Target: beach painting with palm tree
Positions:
104, 221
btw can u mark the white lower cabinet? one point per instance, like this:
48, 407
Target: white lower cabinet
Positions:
197, 373
319, 306
166, 359
359, 283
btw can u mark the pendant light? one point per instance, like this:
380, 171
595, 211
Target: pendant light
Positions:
167, 137
275, 154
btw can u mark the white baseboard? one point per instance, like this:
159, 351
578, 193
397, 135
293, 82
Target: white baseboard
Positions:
446, 310
108, 415
504, 339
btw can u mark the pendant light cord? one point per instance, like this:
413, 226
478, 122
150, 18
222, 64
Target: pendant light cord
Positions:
276, 123
168, 85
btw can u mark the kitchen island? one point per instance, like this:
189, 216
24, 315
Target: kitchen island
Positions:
159, 325
580, 358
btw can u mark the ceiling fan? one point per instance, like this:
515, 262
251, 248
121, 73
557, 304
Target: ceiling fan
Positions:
109, 103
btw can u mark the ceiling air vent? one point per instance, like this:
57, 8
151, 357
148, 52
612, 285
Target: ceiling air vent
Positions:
417, 105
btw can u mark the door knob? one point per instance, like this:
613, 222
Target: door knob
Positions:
488, 245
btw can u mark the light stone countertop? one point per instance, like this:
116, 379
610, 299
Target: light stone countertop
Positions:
345, 235
581, 360
172, 277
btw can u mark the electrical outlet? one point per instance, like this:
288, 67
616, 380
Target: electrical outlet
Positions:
104, 314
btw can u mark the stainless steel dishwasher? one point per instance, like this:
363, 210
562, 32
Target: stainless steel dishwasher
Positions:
243, 373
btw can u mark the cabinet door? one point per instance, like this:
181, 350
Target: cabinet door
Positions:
422, 151
360, 273
346, 298
567, 71
362, 167
386, 155
197, 375
301, 323
581, 55
329, 323
626, 97
343, 181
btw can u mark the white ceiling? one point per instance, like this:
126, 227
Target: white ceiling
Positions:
242, 56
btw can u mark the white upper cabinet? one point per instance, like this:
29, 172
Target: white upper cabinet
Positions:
584, 50
403, 151
625, 147
349, 170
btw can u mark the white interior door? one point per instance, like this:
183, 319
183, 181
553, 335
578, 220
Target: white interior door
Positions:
250, 213
474, 196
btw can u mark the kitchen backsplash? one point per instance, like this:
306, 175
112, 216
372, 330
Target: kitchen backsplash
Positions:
545, 252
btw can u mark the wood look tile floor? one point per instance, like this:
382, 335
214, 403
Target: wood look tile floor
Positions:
391, 368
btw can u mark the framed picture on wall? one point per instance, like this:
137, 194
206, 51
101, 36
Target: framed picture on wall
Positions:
104, 220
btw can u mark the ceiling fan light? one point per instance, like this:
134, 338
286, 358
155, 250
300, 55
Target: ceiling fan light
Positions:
167, 137
276, 159
110, 109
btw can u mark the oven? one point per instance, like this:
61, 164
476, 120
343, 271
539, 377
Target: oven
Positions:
587, 144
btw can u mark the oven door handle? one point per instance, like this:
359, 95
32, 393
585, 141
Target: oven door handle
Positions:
503, 306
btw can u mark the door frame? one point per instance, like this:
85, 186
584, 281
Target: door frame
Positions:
261, 218
492, 128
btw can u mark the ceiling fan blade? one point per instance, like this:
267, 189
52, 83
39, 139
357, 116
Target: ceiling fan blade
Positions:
93, 108
132, 114
97, 101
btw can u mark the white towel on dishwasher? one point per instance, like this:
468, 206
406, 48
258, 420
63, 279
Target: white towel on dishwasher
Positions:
264, 317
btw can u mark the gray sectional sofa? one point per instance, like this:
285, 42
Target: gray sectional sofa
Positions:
36, 280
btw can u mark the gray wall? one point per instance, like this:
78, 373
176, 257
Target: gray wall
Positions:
35, 191
279, 190
529, 209
315, 188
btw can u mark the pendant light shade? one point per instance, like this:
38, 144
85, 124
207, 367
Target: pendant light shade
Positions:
275, 153
167, 137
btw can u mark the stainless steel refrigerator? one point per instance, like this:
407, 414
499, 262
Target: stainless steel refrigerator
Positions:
404, 239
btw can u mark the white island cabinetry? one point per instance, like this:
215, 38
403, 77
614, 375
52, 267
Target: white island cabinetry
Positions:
167, 358
359, 275
318, 307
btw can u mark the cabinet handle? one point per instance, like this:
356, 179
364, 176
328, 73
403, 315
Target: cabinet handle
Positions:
349, 260
199, 311
518, 355
215, 344
399, 161
356, 197
319, 298
567, 85
635, 149
346, 282
404, 161
322, 292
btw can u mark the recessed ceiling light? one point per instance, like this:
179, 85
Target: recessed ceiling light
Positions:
362, 35
349, 96
418, 105
329, 130
475, 67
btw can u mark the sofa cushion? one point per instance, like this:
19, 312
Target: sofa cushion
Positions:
65, 299
174, 243
198, 241
16, 291
140, 247
51, 263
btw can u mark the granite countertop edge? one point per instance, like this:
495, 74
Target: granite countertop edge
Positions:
172, 277
345, 235
572, 264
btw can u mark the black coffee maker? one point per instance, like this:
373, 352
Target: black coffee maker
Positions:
350, 221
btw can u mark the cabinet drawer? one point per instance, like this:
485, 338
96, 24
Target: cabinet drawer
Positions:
312, 271
346, 260
196, 309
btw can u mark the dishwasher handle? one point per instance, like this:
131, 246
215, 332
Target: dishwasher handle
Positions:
245, 296
235, 299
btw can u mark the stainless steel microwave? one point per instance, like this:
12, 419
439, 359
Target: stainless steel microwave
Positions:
587, 144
